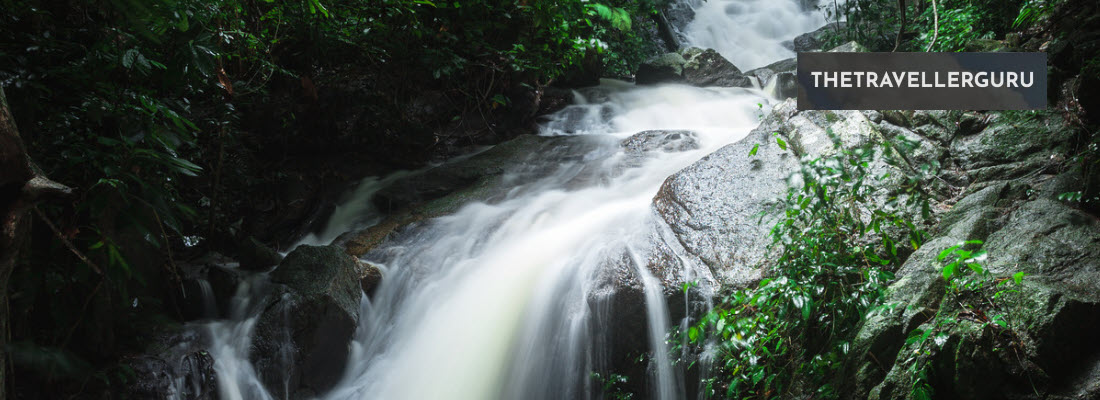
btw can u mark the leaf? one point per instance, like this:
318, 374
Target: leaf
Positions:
755, 147
782, 144
945, 252
129, 57
1018, 277
949, 271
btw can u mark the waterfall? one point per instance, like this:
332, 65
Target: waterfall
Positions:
511, 299
750, 33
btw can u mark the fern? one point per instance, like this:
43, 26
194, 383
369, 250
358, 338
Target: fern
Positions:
618, 17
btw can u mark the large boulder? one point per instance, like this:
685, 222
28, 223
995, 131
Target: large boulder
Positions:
302, 338
713, 206
665, 68
693, 66
708, 68
1012, 182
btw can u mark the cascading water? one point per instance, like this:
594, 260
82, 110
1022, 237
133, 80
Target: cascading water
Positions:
509, 300
750, 33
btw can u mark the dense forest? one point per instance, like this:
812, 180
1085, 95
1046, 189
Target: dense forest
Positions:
158, 158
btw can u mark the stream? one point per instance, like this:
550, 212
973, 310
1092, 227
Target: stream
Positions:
510, 300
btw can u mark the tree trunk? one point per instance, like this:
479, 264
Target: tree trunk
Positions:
20, 189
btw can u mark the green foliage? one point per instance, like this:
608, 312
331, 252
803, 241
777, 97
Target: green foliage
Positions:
957, 27
1034, 11
611, 386
135, 103
978, 295
876, 24
833, 251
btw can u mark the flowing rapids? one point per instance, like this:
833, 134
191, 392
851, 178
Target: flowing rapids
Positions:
506, 300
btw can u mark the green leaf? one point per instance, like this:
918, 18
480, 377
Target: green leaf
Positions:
782, 144
949, 271
1018, 277
755, 147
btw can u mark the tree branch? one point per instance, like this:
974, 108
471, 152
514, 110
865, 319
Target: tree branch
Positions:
935, 25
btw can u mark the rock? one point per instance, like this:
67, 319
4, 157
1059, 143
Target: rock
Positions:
1050, 241
813, 41
302, 337
679, 15
713, 205
783, 86
198, 300
850, 47
621, 304
915, 297
372, 277
765, 74
208, 285
1013, 138
708, 68
1054, 317
666, 68
224, 282
463, 173
554, 99
667, 141
256, 256
443, 189
174, 367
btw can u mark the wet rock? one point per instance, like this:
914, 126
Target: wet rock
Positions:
554, 99
666, 68
708, 68
667, 141
174, 367
444, 189
256, 256
301, 341
784, 86
713, 206
766, 73
198, 301
1013, 138
372, 277
463, 173
915, 297
224, 282
621, 297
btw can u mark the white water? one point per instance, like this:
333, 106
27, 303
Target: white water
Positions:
750, 33
509, 300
